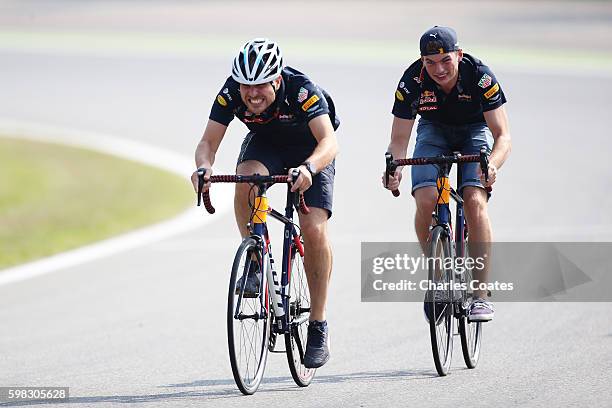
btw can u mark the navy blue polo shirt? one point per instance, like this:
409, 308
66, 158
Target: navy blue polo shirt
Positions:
298, 101
477, 91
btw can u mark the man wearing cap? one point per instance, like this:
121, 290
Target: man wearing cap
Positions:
461, 108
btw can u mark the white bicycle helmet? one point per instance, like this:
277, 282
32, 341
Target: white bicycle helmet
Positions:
258, 62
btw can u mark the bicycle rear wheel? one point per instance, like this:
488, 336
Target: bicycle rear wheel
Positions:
299, 312
440, 296
470, 332
248, 323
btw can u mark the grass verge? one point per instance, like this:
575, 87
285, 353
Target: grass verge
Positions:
54, 198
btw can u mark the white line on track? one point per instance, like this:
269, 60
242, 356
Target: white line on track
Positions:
128, 149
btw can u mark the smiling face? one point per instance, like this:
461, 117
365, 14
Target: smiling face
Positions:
443, 68
258, 98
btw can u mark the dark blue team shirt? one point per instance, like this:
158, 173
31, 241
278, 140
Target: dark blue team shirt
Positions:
477, 91
298, 101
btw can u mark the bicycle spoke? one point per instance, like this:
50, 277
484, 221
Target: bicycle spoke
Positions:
295, 340
470, 333
442, 317
248, 333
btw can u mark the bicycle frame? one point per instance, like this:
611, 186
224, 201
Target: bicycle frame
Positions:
442, 229
278, 288
276, 306
442, 215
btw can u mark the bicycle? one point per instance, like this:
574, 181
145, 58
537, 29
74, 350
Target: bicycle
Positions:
282, 306
451, 301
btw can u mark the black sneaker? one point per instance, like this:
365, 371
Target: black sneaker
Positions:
317, 350
251, 289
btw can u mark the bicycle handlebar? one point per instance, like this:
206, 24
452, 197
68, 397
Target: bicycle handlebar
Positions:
392, 165
255, 179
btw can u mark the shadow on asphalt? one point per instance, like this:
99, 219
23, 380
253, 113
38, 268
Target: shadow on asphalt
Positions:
333, 379
229, 389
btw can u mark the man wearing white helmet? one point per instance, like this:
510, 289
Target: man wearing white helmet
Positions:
291, 125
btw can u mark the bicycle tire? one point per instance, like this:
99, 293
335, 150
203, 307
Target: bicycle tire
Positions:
469, 332
247, 337
441, 326
299, 312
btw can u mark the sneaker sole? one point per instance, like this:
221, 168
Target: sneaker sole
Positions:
319, 365
480, 318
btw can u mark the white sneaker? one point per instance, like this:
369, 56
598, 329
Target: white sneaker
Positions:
481, 311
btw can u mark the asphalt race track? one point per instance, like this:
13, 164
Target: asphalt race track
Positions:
147, 326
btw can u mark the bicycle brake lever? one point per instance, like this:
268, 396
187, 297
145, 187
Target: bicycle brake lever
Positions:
484, 162
296, 195
201, 173
390, 168
389, 161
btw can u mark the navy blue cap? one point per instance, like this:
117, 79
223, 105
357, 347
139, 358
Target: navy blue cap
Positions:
438, 40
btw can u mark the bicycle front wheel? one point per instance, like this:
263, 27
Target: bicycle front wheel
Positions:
471, 338
299, 312
248, 322
440, 298
470, 332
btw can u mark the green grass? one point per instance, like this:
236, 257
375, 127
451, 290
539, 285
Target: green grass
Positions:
54, 198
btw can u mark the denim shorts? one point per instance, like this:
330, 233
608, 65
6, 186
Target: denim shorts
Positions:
435, 139
279, 158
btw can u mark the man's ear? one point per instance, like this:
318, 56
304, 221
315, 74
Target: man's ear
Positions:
277, 82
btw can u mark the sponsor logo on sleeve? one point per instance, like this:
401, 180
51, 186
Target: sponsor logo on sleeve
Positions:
402, 86
399, 96
227, 94
492, 91
417, 80
313, 99
221, 100
485, 81
302, 95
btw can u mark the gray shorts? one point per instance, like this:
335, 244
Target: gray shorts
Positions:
435, 139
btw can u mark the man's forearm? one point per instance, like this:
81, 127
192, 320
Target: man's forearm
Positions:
204, 155
398, 148
400, 137
501, 150
324, 153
